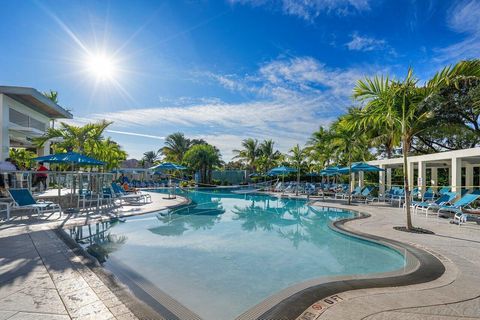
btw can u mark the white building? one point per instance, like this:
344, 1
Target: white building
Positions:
25, 114
459, 163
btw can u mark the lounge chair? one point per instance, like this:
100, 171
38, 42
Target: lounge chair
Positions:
364, 194
344, 194
462, 217
120, 194
23, 199
426, 206
444, 190
457, 206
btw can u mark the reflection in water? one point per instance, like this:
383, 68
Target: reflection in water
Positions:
97, 239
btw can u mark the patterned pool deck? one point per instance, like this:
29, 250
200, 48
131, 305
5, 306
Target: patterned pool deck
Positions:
455, 295
42, 278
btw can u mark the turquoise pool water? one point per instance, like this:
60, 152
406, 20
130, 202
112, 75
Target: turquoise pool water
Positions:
226, 252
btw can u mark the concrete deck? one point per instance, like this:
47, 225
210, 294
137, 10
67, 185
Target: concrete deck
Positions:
455, 295
41, 278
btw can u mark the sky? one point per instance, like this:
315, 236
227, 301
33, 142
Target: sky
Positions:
224, 70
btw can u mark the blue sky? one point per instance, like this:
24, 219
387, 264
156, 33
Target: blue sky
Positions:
225, 70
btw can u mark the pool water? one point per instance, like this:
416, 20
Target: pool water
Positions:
226, 252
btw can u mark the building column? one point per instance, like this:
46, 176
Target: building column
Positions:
4, 136
352, 185
389, 178
456, 174
434, 178
361, 179
422, 174
410, 168
469, 176
45, 150
381, 180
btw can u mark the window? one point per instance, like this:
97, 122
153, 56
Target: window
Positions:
26, 121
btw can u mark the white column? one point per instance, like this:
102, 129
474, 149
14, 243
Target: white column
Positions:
410, 167
381, 180
389, 178
45, 150
469, 176
4, 136
422, 173
361, 179
456, 174
434, 178
352, 185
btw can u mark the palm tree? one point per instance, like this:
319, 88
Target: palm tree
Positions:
297, 159
249, 153
52, 95
348, 143
268, 156
403, 106
319, 148
203, 157
176, 145
87, 139
150, 157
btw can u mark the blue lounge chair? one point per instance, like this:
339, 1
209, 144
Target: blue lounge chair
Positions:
426, 206
23, 198
444, 190
120, 194
344, 194
457, 206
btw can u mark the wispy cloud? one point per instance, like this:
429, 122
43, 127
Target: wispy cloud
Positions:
290, 98
310, 9
135, 134
365, 43
465, 19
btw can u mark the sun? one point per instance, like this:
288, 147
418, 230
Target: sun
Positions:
101, 66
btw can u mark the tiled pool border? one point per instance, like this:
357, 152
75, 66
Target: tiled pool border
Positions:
421, 267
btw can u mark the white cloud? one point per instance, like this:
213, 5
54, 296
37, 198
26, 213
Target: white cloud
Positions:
310, 9
364, 43
464, 18
290, 99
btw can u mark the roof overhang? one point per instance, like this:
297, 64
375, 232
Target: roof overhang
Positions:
36, 101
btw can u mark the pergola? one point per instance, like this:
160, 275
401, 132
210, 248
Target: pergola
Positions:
454, 161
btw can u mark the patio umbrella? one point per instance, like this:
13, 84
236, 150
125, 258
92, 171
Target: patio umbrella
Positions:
73, 158
360, 167
70, 158
281, 171
168, 166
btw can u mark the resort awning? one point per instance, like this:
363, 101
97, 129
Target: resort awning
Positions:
70, 158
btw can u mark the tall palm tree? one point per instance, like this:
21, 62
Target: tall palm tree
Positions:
176, 145
297, 159
319, 148
349, 144
268, 156
249, 153
402, 105
150, 157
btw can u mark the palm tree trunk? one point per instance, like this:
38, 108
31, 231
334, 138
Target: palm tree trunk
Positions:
406, 148
349, 178
298, 181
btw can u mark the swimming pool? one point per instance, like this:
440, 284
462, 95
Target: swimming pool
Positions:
225, 252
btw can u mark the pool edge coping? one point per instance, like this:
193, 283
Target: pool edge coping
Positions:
293, 301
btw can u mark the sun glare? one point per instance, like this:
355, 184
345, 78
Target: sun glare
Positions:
101, 66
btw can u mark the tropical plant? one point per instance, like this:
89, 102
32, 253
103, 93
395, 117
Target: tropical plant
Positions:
297, 158
267, 156
150, 158
404, 107
249, 153
202, 158
22, 157
87, 139
176, 145
52, 95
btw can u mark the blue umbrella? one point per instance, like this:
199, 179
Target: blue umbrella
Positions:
168, 166
71, 158
281, 171
330, 171
360, 167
